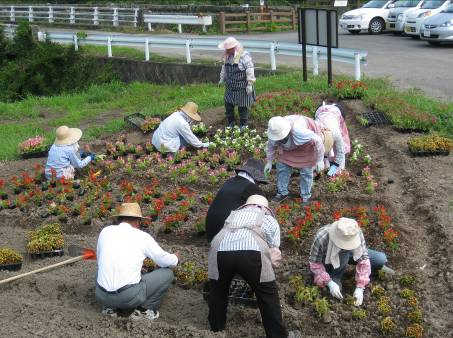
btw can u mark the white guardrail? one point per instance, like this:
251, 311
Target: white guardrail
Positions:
70, 14
178, 20
273, 48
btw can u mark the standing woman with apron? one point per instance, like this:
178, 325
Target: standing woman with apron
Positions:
238, 74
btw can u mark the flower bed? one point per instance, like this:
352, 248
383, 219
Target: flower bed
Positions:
349, 89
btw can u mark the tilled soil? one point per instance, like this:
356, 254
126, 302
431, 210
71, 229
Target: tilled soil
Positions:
61, 302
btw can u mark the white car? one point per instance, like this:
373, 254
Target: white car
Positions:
371, 17
398, 15
415, 18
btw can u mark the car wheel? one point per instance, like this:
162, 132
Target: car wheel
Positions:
355, 32
434, 43
376, 26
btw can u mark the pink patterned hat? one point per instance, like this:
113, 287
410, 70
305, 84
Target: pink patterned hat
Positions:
228, 43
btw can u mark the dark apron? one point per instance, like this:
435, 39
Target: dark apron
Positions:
236, 84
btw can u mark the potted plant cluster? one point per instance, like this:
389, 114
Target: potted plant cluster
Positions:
150, 124
46, 240
33, 147
10, 259
430, 145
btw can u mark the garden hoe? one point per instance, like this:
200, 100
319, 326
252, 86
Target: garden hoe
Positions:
74, 250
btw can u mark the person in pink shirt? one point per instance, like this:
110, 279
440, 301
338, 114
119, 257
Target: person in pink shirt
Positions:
335, 246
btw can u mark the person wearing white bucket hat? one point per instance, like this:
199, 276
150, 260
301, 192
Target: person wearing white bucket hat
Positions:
329, 116
335, 246
238, 74
175, 131
247, 245
295, 141
63, 156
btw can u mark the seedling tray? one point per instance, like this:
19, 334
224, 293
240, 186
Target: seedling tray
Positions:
134, 120
11, 267
35, 154
240, 293
410, 130
429, 153
45, 254
376, 118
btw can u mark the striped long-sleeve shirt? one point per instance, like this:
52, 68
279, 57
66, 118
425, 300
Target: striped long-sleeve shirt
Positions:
242, 239
244, 62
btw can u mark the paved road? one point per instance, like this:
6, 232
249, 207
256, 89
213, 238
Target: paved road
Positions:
407, 62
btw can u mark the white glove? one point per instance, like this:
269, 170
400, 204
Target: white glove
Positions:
268, 168
334, 289
320, 166
358, 296
249, 89
205, 144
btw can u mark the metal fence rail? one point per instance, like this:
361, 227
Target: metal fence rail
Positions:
272, 48
70, 14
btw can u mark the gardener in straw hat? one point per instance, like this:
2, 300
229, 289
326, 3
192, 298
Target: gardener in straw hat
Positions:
63, 155
121, 250
335, 246
238, 74
331, 120
175, 131
295, 141
234, 193
247, 245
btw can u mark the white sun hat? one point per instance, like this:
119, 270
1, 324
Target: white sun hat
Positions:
258, 200
228, 43
278, 128
345, 233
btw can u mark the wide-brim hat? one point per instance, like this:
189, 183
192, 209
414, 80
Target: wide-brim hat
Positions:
130, 210
345, 233
278, 128
191, 110
258, 200
228, 43
255, 168
66, 136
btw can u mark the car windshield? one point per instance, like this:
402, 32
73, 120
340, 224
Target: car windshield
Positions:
449, 9
375, 4
407, 3
432, 4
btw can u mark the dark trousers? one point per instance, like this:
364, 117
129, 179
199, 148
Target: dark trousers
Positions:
243, 114
248, 265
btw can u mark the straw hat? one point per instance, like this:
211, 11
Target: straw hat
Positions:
345, 233
67, 136
130, 210
190, 109
278, 128
258, 200
228, 43
254, 168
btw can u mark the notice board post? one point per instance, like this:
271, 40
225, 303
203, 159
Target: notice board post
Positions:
318, 27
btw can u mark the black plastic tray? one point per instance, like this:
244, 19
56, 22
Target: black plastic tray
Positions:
429, 153
36, 154
45, 254
376, 118
410, 130
11, 267
134, 120
240, 293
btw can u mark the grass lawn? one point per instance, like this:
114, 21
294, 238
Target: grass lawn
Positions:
41, 115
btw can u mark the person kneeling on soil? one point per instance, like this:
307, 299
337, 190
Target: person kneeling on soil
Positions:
234, 193
247, 245
121, 250
63, 155
335, 246
175, 132
296, 141
331, 120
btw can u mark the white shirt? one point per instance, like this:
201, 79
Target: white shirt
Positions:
121, 250
169, 131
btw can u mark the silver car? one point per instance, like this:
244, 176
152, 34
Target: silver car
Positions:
439, 27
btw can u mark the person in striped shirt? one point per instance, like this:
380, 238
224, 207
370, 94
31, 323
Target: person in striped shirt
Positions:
247, 245
238, 74
63, 156
335, 246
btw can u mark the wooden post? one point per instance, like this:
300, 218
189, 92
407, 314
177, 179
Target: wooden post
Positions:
222, 22
248, 22
293, 17
271, 18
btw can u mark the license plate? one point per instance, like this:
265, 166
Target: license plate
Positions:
426, 34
